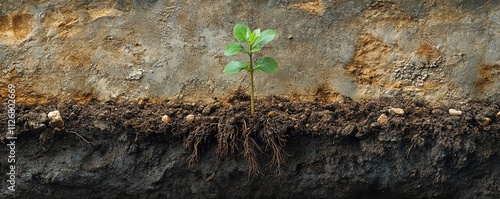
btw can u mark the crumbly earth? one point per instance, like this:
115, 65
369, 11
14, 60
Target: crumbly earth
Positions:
288, 149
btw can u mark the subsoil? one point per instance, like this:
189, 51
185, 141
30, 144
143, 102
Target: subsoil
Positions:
288, 149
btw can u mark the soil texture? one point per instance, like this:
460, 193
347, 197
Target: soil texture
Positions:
288, 149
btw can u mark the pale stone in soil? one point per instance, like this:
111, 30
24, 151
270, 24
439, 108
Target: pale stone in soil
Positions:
454, 112
56, 120
383, 119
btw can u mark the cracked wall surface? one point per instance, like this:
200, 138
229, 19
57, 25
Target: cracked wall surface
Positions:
68, 50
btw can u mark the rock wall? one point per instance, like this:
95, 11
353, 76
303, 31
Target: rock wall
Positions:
440, 51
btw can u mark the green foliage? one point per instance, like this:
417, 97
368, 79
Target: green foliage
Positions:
254, 41
266, 64
234, 67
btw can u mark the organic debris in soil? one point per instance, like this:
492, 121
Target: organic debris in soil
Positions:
264, 135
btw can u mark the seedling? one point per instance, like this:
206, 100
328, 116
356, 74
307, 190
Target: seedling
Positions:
254, 41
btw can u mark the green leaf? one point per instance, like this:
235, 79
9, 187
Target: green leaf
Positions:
233, 48
234, 67
266, 64
265, 37
255, 49
241, 32
257, 32
254, 36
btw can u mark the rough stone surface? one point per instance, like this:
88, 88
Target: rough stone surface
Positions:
438, 51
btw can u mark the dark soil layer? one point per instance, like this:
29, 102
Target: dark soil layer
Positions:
299, 150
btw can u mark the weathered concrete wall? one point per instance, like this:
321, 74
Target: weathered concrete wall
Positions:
77, 50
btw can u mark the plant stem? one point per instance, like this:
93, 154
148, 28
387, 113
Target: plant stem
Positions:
252, 108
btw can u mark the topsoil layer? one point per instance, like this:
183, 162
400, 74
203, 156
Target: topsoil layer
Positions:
286, 150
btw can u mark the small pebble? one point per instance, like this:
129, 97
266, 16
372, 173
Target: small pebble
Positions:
485, 122
165, 119
397, 111
498, 114
190, 118
454, 112
307, 125
271, 114
383, 119
56, 120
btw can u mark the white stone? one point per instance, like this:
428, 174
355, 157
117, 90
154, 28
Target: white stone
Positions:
397, 111
190, 118
498, 114
454, 112
56, 120
165, 119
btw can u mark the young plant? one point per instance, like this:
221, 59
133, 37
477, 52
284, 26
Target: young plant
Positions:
254, 41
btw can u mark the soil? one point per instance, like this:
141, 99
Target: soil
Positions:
288, 149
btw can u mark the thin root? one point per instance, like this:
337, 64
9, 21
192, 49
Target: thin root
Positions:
276, 140
250, 156
81, 138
